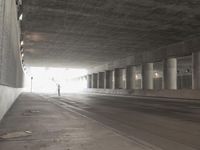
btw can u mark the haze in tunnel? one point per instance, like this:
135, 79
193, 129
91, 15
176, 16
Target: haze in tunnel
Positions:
46, 80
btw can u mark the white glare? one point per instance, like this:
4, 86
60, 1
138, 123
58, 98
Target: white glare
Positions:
21, 17
46, 80
22, 43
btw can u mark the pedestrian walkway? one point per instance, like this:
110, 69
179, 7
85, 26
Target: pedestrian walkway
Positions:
35, 123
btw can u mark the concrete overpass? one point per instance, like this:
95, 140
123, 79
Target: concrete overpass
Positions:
146, 48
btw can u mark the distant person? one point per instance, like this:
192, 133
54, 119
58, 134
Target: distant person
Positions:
58, 89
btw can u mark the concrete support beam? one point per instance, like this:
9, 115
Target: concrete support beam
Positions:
122, 78
108, 79
94, 80
100, 80
128, 77
147, 76
89, 81
133, 78
170, 74
196, 70
116, 79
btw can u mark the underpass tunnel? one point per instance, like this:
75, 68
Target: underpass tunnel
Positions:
172, 68
100, 60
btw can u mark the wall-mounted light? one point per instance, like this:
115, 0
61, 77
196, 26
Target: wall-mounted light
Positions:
22, 43
136, 77
187, 70
156, 74
22, 55
21, 17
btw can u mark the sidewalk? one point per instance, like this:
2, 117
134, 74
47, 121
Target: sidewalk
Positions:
34, 123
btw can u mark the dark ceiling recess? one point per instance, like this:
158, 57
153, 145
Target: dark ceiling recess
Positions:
86, 33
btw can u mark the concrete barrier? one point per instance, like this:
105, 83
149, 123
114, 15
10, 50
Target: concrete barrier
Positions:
8, 95
183, 94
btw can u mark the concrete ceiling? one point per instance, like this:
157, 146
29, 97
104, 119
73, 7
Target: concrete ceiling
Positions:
87, 33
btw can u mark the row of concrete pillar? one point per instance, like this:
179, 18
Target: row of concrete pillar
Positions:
117, 79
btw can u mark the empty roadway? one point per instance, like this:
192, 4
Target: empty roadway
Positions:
167, 124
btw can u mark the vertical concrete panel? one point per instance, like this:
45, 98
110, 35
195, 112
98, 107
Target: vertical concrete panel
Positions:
147, 76
108, 79
133, 77
129, 79
184, 72
10, 63
170, 73
196, 70
116, 78
11, 72
122, 78
1, 33
100, 80
94, 80
158, 75
136, 78
89, 81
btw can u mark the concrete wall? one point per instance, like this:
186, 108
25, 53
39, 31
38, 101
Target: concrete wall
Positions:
180, 51
7, 98
11, 72
176, 50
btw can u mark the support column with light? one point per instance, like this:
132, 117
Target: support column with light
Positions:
170, 74
89, 81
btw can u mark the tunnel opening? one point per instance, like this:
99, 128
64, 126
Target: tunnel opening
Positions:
47, 79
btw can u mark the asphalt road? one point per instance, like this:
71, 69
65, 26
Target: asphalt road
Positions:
168, 124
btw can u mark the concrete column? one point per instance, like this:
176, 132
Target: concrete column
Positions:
89, 81
1, 24
107, 79
94, 80
147, 76
170, 74
128, 77
196, 70
100, 80
116, 78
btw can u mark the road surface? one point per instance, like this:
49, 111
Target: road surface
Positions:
168, 124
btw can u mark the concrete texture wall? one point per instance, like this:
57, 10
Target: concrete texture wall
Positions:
122, 78
181, 49
7, 98
175, 50
11, 72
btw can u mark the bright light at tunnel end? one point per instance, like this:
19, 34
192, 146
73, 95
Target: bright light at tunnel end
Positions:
46, 80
